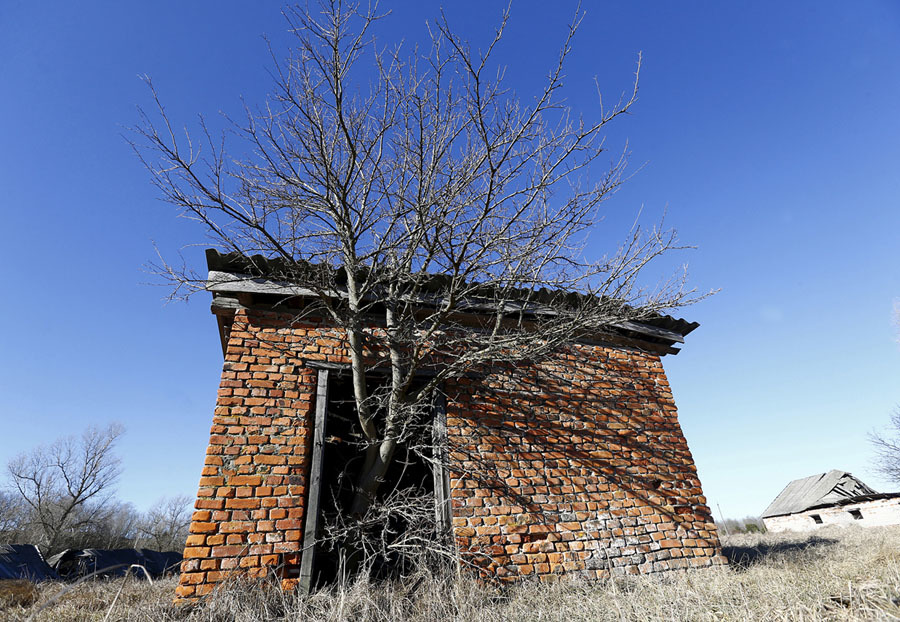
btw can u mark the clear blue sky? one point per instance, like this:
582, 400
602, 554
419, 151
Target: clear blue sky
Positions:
771, 133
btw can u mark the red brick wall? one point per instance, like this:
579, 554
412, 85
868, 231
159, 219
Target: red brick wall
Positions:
249, 510
573, 465
576, 465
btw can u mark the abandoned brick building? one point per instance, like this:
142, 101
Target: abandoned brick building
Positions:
832, 498
576, 464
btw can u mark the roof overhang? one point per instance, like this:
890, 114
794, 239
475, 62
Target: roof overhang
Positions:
234, 287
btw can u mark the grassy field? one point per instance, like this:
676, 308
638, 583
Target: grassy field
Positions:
835, 574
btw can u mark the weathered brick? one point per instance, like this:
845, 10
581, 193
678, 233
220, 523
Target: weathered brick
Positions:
235, 527
185, 589
288, 523
243, 504
201, 515
202, 527
227, 551
269, 459
245, 480
196, 540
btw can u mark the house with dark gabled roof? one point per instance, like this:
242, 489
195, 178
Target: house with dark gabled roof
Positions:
832, 498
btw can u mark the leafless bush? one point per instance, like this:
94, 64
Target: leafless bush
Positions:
397, 532
164, 527
112, 524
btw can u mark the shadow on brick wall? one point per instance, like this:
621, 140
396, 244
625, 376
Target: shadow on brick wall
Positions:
583, 428
585, 442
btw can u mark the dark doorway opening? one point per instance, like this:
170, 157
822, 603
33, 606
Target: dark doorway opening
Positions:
405, 501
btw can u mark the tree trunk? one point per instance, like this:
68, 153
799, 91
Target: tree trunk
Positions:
380, 454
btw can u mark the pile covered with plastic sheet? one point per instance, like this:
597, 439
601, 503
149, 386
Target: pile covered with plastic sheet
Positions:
24, 561
72, 564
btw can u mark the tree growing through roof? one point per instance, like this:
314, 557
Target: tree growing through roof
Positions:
66, 487
413, 191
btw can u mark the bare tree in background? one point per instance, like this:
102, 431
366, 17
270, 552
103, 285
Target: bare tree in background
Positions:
410, 199
12, 513
887, 448
114, 526
67, 487
165, 525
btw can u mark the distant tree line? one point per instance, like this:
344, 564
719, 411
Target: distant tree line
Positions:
61, 496
748, 524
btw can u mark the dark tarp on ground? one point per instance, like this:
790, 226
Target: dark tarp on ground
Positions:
24, 561
72, 564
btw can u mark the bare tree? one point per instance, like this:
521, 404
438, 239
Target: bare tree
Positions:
12, 514
887, 448
66, 486
165, 526
409, 207
115, 525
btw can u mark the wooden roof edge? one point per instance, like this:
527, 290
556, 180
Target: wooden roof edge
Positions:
841, 502
801, 494
224, 279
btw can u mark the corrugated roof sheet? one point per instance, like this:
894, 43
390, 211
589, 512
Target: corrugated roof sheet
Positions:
257, 268
822, 489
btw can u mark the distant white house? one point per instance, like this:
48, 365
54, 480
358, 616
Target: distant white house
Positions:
832, 498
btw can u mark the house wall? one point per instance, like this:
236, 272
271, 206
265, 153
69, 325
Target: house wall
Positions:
574, 465
876, 513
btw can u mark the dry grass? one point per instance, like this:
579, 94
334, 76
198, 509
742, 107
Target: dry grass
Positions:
849, 574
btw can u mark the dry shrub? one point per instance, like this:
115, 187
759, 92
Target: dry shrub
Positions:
833, 574
17, 593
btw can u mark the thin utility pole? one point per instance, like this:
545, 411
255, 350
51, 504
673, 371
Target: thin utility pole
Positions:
724, 526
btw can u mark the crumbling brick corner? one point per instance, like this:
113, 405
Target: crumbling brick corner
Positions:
249, 510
